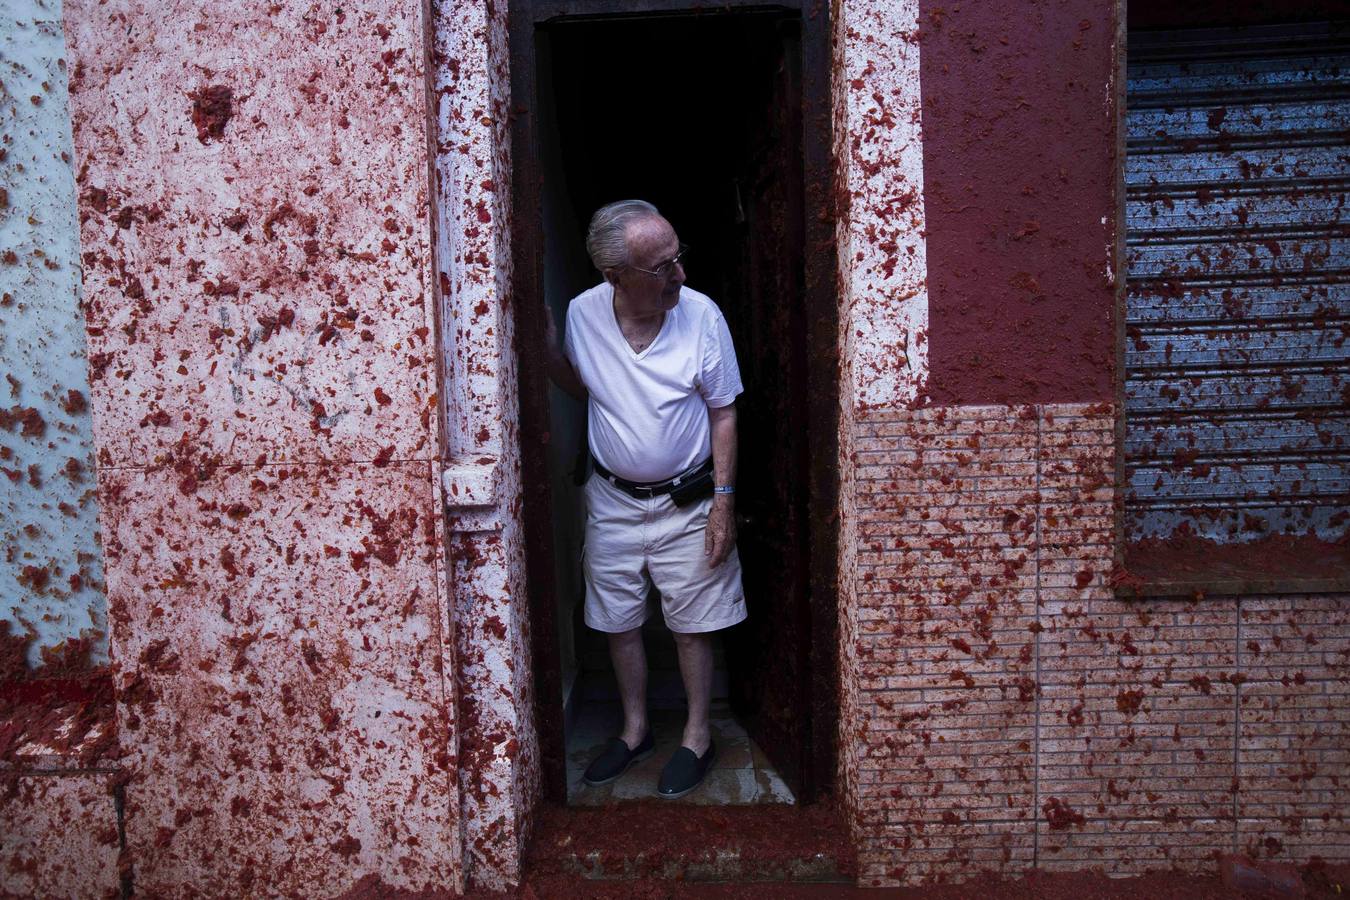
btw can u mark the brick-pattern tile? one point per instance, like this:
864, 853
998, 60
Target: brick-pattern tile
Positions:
1007, 710
1132, 846
1136, 714
1294, 738
1137, 704
1137, 722
944, 642
936, 852
1295, 838
59, 837
854, 709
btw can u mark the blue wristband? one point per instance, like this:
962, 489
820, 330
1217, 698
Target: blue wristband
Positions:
723, 489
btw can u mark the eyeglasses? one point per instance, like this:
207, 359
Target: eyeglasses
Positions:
664, 270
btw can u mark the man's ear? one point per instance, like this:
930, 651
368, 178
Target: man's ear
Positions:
612, 276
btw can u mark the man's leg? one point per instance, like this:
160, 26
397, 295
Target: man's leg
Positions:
630, 667
696, 667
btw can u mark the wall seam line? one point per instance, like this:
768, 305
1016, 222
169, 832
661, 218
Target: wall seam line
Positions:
279, 463
1036, 710
447, 645
1237, 714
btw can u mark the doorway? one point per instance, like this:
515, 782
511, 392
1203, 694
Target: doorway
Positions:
728, 111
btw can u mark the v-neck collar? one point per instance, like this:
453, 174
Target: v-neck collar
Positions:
614, 317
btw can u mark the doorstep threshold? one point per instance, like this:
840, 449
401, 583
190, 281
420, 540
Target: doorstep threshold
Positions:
664, 839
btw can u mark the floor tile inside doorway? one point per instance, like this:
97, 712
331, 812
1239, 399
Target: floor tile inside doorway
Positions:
740, 775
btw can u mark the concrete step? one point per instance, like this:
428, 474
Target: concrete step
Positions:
674, 841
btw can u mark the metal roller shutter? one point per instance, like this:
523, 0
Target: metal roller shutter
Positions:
1237, 309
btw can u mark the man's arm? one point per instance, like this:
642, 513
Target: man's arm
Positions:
560, 369
720, 536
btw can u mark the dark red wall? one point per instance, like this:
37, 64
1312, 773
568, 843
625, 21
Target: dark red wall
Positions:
1019, 171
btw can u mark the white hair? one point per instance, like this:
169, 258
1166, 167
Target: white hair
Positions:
606, 239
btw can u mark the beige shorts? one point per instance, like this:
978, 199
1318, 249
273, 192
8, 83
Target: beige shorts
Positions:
632, 544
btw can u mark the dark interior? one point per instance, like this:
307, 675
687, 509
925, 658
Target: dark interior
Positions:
701, 115
657, 108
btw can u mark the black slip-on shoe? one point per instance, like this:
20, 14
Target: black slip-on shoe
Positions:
685, 771
616, 758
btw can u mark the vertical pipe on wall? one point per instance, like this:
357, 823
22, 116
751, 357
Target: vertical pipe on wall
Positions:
498, 747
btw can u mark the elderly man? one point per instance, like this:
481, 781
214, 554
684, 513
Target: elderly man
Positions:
654, 360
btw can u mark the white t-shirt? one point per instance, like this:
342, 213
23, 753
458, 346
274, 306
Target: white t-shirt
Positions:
649, 410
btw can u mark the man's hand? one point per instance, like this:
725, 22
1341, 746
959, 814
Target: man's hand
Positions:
560, 370
550, 329
720, 535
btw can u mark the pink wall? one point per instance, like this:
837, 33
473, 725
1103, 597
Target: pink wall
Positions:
258, 237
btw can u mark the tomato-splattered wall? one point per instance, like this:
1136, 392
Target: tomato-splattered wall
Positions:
498, 753
51, 568
256, 231
882, 244
1002, 708
291, 218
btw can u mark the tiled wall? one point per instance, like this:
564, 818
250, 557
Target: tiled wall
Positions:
1010, 712
945, 652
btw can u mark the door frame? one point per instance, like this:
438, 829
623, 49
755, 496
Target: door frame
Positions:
823, 376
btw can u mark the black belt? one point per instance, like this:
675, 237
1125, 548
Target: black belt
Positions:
641, 490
